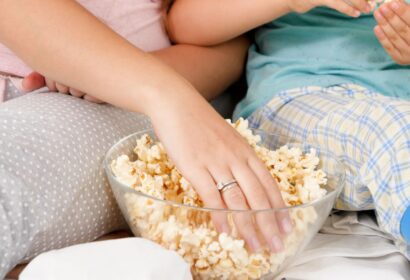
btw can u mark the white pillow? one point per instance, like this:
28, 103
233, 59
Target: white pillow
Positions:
125, 259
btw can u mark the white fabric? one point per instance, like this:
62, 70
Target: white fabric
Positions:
350, 246
128, 258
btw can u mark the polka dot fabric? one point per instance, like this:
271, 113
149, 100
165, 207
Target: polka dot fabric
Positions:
53, 191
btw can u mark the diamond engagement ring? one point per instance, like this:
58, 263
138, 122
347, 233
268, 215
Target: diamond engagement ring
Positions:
223, 186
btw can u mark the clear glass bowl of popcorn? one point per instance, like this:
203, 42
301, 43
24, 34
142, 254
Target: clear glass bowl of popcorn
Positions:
160, 205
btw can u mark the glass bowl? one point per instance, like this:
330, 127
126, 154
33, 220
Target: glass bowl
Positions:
189, 229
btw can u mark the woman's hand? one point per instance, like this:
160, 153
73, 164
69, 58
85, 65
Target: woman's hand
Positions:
207, 150
349, 7
35, 81
393, 30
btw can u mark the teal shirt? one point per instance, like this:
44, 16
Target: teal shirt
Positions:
319, 48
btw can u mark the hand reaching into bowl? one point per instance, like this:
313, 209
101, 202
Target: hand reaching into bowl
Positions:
205, 148
221, 157
208, 152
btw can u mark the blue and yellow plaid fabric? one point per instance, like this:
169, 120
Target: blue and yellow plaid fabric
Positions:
368, 131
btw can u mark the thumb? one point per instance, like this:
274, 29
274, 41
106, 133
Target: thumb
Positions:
33, 81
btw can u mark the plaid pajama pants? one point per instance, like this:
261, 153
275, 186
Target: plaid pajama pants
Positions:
369, 132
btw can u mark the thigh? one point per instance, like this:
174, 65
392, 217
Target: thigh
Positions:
53, 191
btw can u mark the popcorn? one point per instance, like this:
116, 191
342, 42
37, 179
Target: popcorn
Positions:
190, 231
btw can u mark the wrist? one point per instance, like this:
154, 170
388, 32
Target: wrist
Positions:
163, 101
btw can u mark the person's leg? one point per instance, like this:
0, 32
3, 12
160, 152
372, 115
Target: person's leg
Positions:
53, 191
369, 132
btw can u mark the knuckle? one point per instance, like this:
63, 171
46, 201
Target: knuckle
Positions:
389, 48
393, 37
350, 10
401, 28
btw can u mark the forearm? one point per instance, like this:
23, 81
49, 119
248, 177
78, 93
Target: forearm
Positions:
211, 22
209, 69
73, 47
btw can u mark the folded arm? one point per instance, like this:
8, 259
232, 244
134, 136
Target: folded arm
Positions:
209, 69
211, 22
83, 52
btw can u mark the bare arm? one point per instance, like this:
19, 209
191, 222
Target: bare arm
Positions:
210, 22
85, 54
209, 69
83, 51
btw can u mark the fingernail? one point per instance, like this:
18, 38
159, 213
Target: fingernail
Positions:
255, 244
356, 14
287, 225
384, 9
395, 5
368, 8
277, 244
378, 16
379, 32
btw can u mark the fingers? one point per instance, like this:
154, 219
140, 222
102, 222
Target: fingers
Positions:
208, 192
273, 194
385, 42
57, 87
76, 93
393, 34
235, 199
62, 88
92, 99
344, 7
257, 198
51, 85
401, 27
360, 5
33, 81
402, 10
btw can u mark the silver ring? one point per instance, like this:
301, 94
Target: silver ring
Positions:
221, 186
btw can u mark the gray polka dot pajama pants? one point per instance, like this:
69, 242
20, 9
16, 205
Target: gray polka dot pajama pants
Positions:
53, 191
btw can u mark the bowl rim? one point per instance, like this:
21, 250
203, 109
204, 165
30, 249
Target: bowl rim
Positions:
328, 195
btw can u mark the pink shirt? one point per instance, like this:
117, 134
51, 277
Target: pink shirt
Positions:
138, 21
